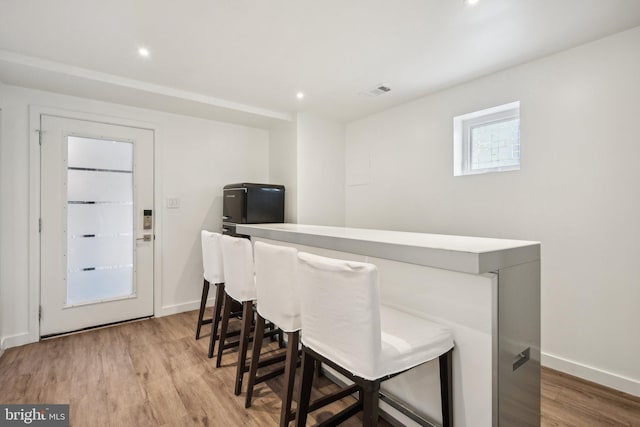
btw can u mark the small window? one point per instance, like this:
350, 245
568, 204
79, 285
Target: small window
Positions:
487, 140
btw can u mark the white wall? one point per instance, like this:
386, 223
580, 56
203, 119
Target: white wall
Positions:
195, 158
320, 168
576, 192
283, 165
307, 156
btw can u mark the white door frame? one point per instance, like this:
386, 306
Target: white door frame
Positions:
35, 111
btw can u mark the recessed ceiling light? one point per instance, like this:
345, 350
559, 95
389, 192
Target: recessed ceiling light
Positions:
471, 2
143, 51
299, 95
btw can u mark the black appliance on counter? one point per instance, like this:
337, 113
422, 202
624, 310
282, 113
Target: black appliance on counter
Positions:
247, 203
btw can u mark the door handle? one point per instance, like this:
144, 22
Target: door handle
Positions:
145, 238
521, 358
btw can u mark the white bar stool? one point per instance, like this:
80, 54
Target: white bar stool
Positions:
346, 327
213, 274
278, 302
237, 258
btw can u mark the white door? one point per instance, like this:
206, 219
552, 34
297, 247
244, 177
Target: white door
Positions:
96, 245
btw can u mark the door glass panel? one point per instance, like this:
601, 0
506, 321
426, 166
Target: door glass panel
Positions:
99, 220
99, 154
100, 251
96, 285
99, 186
110, 219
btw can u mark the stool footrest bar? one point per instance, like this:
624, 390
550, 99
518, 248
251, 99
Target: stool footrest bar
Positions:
326, 400
269, 375
342, 415
271, 360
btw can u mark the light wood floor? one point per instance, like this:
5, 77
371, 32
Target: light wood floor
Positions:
154, 373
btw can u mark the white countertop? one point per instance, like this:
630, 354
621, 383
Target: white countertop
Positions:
459, 253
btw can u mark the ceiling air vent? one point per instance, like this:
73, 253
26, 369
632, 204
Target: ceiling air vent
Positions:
377, 90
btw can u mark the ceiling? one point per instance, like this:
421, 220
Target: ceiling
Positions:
244, 61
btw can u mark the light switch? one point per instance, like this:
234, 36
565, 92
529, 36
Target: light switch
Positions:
173, 203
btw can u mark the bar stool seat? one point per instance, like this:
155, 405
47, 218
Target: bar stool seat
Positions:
346, 327
408, 341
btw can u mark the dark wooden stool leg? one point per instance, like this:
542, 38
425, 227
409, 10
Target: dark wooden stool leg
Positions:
293, 338
319, 373
226, 312
370, 403
247, 320
304, 395
203, 306
217, 309
281, 339
446, 388
258, 335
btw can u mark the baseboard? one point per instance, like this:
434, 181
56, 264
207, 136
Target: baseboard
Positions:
167, 310
17, 340
589, 373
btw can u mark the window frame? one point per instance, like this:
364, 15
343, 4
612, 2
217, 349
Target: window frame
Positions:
464, 124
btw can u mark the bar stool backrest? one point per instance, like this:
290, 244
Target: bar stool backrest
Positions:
341, 311
237, 259
212, 257
276, 285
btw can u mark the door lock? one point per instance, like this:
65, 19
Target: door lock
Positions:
147, 222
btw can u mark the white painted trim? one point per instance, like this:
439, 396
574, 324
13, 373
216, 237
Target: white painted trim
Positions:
167, 310
158, 228
16, 340
590, 373
35, 111
33, 325
57, 67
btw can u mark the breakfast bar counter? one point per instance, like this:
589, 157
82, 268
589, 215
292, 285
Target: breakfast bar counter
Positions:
486, 290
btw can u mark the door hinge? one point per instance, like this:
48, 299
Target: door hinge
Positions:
40, 313
39, 225
39, 136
